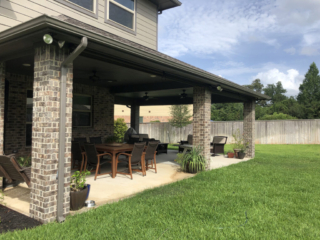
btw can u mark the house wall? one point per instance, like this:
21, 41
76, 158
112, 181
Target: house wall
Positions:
14, 12
15, 123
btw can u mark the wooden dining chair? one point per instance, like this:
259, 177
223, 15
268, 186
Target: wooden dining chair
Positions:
77, 156
94, 160
136, 158
150, 155
96, 140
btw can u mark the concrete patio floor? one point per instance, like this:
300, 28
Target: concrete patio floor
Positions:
106, 189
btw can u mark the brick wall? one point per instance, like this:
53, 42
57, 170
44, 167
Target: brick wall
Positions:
15, 130
249, 127
201, 120
103, 110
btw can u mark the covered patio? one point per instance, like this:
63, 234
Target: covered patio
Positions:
48, 98
107, 190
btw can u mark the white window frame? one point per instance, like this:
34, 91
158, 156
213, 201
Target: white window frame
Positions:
119, 25
77, 7
90, 111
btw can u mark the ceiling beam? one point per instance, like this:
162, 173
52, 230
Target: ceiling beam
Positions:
147, 87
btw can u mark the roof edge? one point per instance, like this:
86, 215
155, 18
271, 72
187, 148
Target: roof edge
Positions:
45, 21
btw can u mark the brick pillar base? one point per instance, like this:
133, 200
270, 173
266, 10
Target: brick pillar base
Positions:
135, 117
2, 103
201, 120
45, 133
249, 114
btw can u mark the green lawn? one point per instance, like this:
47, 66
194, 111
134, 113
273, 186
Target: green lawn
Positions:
278, 190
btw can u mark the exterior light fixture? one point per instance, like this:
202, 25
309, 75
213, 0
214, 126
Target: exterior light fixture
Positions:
48, 39
110, 81
153, 76
26, 65
219, 88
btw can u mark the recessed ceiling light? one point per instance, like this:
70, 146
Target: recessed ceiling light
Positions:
153, 76
27, 64
110, 81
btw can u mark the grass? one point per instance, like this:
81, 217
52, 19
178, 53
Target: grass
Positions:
278, 191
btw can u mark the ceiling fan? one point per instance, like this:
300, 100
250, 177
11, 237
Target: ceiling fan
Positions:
146, 97
96, 78
183, 94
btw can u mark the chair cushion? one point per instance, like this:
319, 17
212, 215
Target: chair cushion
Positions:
220, 139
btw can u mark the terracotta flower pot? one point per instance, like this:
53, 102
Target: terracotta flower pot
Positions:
77, 199
230, 155
241, 155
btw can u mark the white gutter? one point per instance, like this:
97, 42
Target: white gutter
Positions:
62, 125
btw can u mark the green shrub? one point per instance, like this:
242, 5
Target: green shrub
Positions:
120, 128
277, 116
192, 161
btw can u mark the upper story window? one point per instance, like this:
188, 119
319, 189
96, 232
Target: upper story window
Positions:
89, 7
122, 13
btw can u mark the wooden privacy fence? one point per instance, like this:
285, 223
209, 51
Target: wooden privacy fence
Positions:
267, 132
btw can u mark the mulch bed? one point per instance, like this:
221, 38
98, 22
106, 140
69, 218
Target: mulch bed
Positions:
12, 220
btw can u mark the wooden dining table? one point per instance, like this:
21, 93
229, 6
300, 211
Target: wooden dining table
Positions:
114, 150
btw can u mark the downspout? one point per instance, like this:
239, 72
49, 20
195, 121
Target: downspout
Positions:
62, 124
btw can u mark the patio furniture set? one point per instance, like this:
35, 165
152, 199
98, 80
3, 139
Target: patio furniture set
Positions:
217, 144
95, 154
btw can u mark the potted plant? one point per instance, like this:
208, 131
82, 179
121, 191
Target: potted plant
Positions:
193, 161
230, 154
238, 142
78, 190
241, 154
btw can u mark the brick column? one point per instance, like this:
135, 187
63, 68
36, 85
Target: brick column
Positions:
249, 114
201, 120
45, 133
135, 117
2, 103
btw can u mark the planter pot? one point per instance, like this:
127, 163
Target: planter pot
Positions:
77, 199
241, 155
231, 155
189, 171
236, 151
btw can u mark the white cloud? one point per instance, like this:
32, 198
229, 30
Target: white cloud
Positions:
290, 80
291, 50
212, 27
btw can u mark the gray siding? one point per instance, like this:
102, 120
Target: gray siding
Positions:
14, 12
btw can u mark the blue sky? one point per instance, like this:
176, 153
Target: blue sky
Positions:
274, 40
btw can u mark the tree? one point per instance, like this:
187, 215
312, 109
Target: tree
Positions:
180, 116
277, 116
120, 128
256, 85
309, 92
227, 111
276, 92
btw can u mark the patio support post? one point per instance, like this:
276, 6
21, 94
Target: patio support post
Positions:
45, 133
2, 103
135, 117
249, 114
201, 120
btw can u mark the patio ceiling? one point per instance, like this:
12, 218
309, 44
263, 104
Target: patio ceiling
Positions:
128, 65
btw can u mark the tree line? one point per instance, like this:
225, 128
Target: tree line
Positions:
306, 105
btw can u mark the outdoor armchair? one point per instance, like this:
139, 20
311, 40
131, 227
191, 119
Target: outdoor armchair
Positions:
94, 160
217, 145
12, 172
135, 158
188, 142
151, 153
